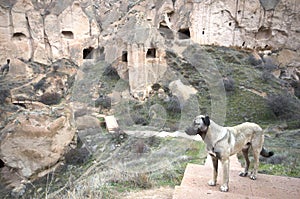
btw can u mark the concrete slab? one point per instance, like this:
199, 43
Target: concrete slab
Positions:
194, 184
111, 123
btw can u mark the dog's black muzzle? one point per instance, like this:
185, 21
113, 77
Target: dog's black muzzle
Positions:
191, 131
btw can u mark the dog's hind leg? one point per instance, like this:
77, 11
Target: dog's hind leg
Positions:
213, 182
256, 153
247, 162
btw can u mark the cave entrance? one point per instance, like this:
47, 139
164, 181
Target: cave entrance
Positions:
184, 33
18, 36
88, 53
151, 53
67, 34
124, 56
2, 164
165, 31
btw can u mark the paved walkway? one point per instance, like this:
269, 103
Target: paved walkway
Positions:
194, 184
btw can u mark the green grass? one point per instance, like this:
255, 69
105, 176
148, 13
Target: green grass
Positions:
280, 169
245, 106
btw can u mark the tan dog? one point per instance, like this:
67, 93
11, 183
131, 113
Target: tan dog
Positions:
222, 142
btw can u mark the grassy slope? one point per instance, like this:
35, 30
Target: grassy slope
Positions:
247, 102
242, 105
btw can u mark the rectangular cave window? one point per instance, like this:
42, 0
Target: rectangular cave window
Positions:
124, 56
88, 53
184, 33
151, 53
67, 34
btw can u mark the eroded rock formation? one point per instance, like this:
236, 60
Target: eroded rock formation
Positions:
34, 142
134, 34
131, 36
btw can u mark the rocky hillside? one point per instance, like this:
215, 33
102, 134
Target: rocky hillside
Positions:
154, 65
134, 34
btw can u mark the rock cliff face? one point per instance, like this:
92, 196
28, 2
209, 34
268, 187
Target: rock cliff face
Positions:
134, 34
252, 24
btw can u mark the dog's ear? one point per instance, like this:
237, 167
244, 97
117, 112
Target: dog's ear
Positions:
206, 120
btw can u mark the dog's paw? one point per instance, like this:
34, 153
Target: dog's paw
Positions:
243, 174
252, 177
212, 183
224, 188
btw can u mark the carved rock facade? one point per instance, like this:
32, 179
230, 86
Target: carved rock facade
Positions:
133, 35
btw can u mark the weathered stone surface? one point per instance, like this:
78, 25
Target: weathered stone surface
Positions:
182, 91
288, 58
36, 140
249, 24
56, 79
92, 30
86, 122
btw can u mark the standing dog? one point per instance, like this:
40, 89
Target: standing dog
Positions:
222, 142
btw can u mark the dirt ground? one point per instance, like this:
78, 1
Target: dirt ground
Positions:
157, 193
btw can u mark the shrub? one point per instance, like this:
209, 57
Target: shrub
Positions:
254, 61
39, 85
153, 141
269, 65
103, 102
77, 156
80, 112
139, 119
156, 87
119, 137
173, 106
55, 67
111, 72
142, 180
50, 98
167, 90
70, 81
228, 84
284, 105
3, 95
296, 86
266, 76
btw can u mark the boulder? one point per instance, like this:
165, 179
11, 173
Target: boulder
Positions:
183, 92
86, 122
36, 140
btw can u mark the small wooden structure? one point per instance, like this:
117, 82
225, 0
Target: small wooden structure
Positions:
111, 123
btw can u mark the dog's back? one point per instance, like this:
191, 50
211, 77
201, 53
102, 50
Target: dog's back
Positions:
246, 129
246, 133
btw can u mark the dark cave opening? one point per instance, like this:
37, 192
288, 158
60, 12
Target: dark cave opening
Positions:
184, 33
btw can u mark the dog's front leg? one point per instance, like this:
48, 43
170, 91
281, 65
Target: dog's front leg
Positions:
213, 182
225, 163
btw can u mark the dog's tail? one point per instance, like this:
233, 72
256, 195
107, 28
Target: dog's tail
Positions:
266, 153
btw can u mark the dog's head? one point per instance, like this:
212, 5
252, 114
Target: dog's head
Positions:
200, 126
